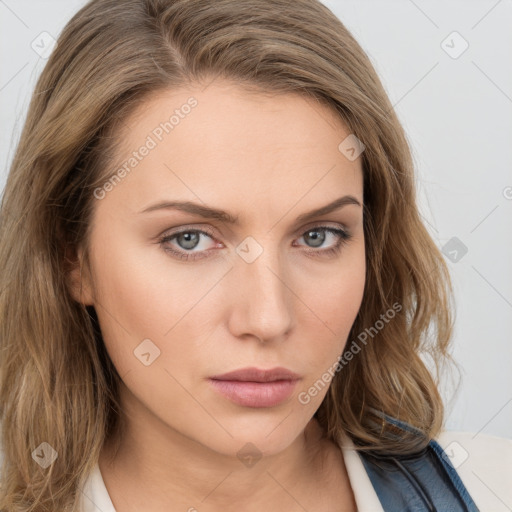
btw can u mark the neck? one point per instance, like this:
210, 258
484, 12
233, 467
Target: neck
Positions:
172, 468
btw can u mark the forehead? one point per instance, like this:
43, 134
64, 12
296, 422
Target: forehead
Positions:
224, 143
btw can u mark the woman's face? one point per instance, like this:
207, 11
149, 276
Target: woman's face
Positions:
271, 289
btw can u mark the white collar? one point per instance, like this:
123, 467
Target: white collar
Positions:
364, 492
95, 495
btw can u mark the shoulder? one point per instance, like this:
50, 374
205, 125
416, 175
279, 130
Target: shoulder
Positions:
484, 464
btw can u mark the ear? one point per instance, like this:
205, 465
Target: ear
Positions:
78, 277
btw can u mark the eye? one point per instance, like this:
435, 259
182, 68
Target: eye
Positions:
187, 241
319, 234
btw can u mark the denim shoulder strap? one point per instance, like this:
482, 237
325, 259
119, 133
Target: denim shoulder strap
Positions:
423, 481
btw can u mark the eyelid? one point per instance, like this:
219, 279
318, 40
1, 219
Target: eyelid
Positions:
183, 229
321, 224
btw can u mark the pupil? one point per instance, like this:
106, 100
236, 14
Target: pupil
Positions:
318, 239
190, 239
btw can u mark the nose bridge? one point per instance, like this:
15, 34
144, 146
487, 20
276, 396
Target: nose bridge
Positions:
264, 299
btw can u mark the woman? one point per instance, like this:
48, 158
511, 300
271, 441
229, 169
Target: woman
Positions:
216, 283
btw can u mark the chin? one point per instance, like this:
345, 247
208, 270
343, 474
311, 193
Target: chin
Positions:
256, 433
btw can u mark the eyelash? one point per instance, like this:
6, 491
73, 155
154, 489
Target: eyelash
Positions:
343, 235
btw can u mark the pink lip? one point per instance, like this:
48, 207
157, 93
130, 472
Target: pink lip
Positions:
252, 387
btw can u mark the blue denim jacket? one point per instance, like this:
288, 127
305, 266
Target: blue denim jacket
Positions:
424, 481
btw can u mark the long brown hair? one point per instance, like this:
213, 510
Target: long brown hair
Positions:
57, 384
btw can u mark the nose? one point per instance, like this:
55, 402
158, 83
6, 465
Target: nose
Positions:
261, 298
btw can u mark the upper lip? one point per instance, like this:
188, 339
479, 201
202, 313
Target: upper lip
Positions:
258, 375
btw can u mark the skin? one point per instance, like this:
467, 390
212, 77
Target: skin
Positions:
268, 159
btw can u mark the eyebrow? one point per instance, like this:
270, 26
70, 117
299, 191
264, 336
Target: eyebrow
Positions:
208, 212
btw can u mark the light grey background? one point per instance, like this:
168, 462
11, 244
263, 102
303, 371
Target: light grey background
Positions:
456, 109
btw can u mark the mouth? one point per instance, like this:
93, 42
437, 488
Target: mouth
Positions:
253, 387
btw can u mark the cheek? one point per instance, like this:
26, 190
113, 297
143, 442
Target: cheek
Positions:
141, 295
331, 309
340, 299
335, 292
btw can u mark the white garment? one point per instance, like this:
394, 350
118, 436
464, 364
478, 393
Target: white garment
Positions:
483, 462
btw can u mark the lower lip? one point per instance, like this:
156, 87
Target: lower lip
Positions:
255, 394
